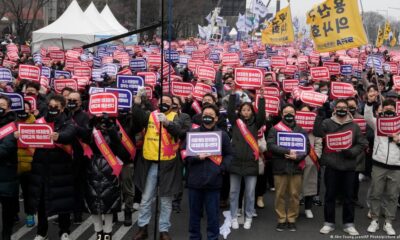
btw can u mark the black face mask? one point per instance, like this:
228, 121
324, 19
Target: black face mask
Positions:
2, 112
289, 118
207, 120
389, 113
22, 115
353, 111
341, 113
164, 107
72, 105
52, 113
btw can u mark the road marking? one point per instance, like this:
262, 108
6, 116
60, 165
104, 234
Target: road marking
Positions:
23, 230
81, 228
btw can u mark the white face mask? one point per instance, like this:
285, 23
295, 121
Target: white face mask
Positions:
324, 92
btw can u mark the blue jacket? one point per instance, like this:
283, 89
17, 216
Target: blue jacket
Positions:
205, 174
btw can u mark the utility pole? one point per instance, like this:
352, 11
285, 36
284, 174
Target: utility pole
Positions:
278, 5
138, 13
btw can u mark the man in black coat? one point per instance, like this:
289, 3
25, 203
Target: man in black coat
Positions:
52, 183
8, 168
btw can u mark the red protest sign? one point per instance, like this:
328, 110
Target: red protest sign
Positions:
313, 99
305, 119
206, 73
200, 89
339, 141
289, 84
149, 77
72, 54
82, 82
149, 92
271, 104
249, 77
341, 90
230, 59
59, 84
9, 64
13, 56
192, 64
83, 71
290, 70
198, 55
387, 126
319, 73
57, 55
32, 101
278, 62
270, 91
154, 60
396, 82
393, 67
100, 103
35, 135
29, 72
11, 47
361, 123
182, 89
333, 68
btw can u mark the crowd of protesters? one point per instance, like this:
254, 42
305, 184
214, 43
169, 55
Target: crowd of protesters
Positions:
67, 182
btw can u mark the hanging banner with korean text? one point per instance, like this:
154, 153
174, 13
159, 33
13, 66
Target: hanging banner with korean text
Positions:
280, 29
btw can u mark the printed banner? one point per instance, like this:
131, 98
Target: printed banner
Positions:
305, 120
280, 29
346, 70
292, 141
46, 72
336, 25
35, 135
5, 75
150, 78
83, 71
17, 101
200, 90
249, 77
100, 103
29, 72
320, 73
138, 64
313, 99
362, 124
124, 97
341, 90
203, 142
130, 82
32, 101
206, 73
110, 69
59, 73
339, 141
230, 59
289, 84
333, 68
278, 62
272, 104
60, 84
387, 126
182, 89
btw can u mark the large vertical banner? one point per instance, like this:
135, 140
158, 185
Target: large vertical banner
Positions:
336, 25
280, 29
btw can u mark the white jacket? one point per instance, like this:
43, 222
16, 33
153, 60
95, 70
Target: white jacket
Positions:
384, 152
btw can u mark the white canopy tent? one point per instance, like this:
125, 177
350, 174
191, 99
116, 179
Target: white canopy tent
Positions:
71, 29
109, 17
93, 15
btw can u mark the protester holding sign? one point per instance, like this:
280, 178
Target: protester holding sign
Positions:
49, 165
385, 177
343, 143
245, 127
147, 167
8, 167
205, 178
32, 90
103, 194
289, 145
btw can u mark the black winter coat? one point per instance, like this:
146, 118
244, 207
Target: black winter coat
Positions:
244, 162
8, 160
103, 195
52, 173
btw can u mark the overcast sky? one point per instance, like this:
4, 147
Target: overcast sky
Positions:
300, 7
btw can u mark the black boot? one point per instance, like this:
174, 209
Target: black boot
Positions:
107, 236
99, 235
128, 218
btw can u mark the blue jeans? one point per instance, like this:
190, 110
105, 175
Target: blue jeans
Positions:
204, 199
148, 197
250, 186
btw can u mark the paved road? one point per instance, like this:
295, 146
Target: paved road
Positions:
263, 226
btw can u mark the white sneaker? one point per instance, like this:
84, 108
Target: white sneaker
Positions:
309, 214
38, 237
388, 228
326, 229
351, 231
234, 223
65, 236
136, 206
247, 223
239, 212
373, 226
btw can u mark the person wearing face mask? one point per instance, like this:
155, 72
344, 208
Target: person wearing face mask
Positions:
286, 169
340, 165
103, 188
385, 176
80, 120
147, 166
245, 126
52, 173
25, 163
8, 168
32, 89
204, 179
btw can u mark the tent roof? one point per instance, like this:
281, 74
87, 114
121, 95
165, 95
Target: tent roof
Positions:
111, 20
93, 15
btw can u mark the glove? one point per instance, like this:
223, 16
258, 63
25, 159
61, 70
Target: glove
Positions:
161, 117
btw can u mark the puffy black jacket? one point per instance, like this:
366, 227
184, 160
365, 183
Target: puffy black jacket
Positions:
8, 160
52, 172
103, 195
244, 162
205, 174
